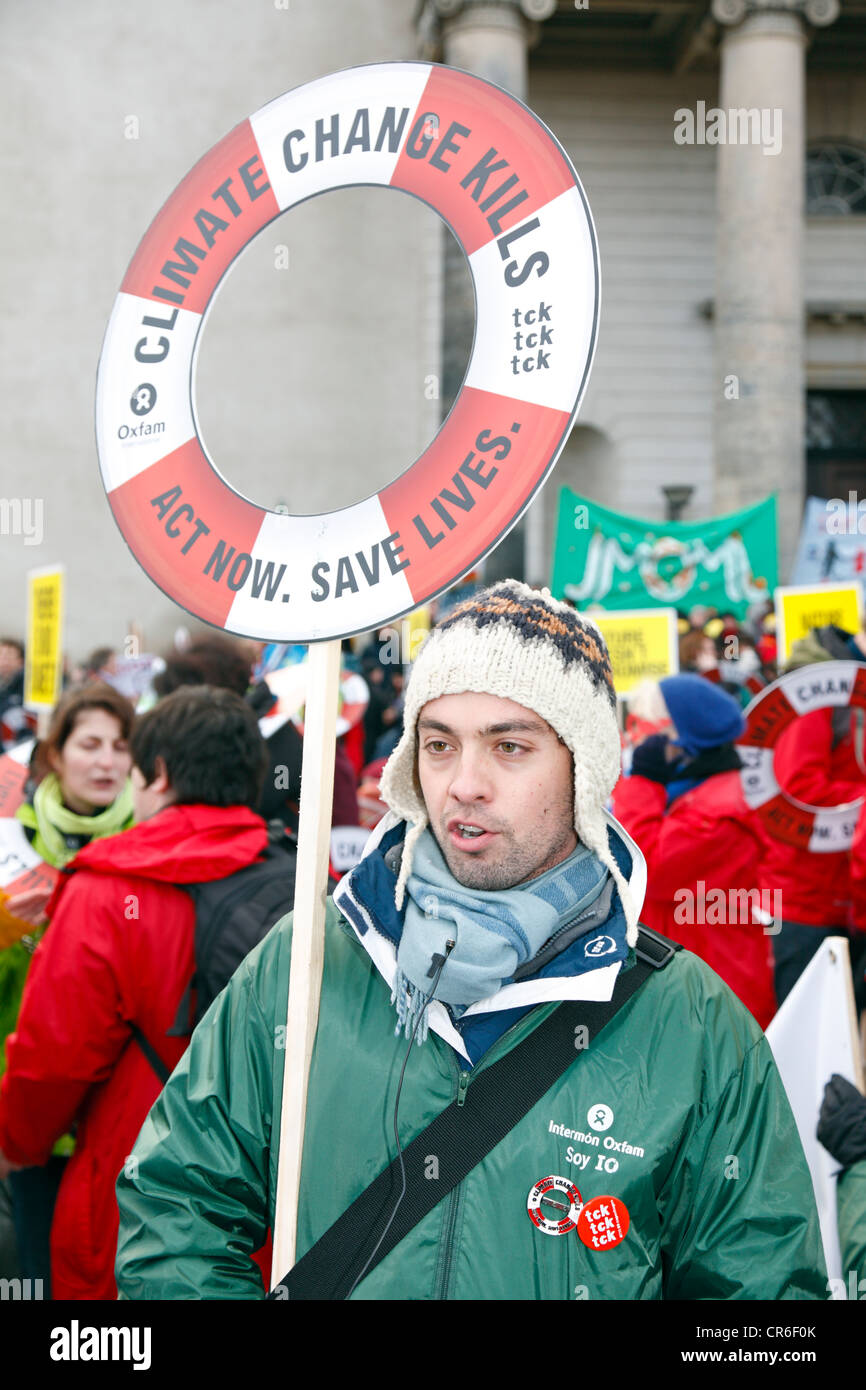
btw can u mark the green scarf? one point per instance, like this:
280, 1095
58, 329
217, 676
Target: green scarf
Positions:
53, 821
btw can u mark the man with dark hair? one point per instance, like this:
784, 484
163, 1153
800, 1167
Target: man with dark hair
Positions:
648, 1149
102, 999
199, 745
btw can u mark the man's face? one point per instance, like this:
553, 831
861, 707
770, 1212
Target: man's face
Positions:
487, 764
11, 661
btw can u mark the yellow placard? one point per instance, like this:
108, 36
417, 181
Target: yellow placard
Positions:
801, 607
642, 643
44, 660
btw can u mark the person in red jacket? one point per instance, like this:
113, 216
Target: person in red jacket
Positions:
684, 806
118, 956
819, 761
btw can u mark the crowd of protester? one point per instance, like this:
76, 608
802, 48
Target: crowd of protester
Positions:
143, 803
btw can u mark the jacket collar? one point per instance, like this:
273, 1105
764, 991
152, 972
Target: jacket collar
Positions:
365, 897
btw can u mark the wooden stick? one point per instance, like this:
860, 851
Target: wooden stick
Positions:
308, 937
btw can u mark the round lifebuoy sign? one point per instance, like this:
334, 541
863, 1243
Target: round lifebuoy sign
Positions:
827, 684
507, 190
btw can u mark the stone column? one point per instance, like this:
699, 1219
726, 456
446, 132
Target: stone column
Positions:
491, 39
759, 382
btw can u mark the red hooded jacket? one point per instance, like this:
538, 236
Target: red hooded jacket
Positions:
707, 840
119, 951
816, 767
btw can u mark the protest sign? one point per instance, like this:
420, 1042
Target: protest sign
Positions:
832, 544
13, 775
643, 645
43, 666
827, 684
347, 846
508, 192
619, 561
132, 675
510, 195
21, 868
813, 1035
801, 607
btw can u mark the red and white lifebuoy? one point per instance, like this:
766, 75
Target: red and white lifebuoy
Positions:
508, 192
819, 829
755, 684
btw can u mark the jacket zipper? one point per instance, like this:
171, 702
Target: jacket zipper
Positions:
447, 1241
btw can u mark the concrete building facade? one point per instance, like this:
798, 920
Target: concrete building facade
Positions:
732, 349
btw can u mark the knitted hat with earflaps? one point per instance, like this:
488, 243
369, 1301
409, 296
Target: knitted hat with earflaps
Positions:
522, 645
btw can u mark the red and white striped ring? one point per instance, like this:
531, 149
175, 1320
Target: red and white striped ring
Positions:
753, 683
508, 192
819, 829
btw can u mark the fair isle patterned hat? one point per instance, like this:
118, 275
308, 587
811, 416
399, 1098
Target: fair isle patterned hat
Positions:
521, 644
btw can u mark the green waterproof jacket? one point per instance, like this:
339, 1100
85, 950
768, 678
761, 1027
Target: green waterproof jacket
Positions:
693, 1134
851, 1206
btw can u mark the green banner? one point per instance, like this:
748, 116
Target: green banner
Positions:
621, 561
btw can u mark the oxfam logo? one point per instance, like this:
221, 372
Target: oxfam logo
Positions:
143, 399
599, 1117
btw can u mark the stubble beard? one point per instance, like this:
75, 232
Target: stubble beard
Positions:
515, 863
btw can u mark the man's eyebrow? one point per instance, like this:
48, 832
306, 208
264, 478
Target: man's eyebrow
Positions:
434, 724
508, 726
516, 726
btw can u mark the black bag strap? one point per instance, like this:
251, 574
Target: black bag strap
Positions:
150, 1052
462, 1135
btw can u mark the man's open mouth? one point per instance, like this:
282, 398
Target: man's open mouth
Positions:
465, 834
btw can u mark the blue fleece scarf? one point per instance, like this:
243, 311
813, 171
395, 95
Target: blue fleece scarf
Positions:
497, 934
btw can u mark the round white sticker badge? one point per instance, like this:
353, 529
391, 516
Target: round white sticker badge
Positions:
549, 1196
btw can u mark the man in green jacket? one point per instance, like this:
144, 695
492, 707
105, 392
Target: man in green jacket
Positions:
663, 1163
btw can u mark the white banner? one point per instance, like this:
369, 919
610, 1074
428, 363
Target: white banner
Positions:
813, 1035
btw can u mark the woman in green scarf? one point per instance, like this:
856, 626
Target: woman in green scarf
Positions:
81, 771
81, 793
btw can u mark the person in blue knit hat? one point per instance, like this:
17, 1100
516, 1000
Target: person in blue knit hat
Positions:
684, 805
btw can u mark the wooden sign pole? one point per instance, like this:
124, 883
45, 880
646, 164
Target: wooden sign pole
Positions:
308, 937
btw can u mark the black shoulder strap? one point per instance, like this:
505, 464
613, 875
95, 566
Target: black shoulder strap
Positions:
462, 1135
151, 1054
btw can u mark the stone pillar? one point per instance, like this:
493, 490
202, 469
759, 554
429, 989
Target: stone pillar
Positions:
491, 39
759, 382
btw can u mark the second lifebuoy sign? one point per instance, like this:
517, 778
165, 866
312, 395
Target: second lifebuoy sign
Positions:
510, 195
